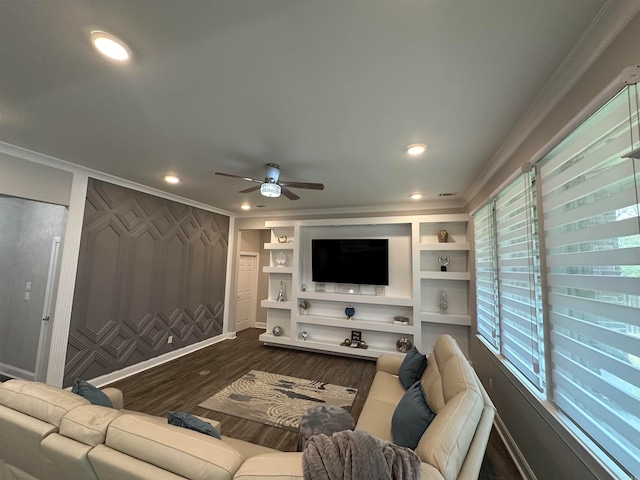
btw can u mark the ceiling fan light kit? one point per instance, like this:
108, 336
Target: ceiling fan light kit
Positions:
270, 190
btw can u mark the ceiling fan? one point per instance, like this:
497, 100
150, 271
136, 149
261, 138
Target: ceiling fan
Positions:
272, 186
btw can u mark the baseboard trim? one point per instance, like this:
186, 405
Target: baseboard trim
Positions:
262, 325
512, 448
15, 372
162, 359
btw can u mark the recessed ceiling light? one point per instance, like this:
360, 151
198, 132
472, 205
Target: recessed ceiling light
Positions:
416, 196
110, 46
416, 149
245, 206
171, 179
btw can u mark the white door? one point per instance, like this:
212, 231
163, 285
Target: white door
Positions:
45, 330
246, 292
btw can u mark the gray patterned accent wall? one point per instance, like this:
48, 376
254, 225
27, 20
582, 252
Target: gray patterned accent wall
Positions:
149, 268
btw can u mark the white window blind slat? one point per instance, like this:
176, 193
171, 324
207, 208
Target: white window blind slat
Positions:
606, 176
612, 149
618, 201
620, 228
608, 283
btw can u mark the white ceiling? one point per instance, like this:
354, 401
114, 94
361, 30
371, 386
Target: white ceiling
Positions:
332, 90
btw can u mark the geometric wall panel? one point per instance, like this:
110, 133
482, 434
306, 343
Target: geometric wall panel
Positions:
148, 268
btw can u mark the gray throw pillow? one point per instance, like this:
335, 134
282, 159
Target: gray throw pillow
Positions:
411, 417
91, 393
186, 420
412, 367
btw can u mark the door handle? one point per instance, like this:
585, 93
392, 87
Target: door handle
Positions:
46, 319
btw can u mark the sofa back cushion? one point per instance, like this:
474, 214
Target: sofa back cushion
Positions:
39, 400
88, 424
183, 452
453, 393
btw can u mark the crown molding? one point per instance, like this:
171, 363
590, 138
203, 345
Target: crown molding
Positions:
54, 162
612, 18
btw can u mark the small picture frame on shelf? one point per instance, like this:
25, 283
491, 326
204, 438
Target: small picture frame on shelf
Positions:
356, 336
320, 287
380, 291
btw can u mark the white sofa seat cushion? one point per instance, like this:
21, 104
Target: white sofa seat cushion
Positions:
272, 466
386, 388
39, 400
177, 450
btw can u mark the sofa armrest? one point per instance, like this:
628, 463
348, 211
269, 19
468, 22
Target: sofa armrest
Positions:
388, 363
115, 396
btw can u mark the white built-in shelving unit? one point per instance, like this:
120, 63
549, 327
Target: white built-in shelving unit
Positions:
414, 290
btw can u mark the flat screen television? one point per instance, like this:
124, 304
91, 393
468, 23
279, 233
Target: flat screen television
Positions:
358, 261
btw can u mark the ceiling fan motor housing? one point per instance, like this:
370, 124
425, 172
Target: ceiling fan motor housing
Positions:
273, 173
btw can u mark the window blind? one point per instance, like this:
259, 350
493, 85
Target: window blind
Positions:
518, 262
486, 286
592, 240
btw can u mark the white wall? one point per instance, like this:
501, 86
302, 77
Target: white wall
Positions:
24, 179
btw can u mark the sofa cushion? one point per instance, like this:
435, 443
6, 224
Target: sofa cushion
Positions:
412, 367
375, 418
91, 393
186, 420
386, 388
39, 400
88, 424
274, 466
177, 450
411, 417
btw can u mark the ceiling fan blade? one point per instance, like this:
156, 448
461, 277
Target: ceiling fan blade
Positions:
252, 189
238, 176
311, 186
288, 193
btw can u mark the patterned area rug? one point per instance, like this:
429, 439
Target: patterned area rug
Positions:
277, 400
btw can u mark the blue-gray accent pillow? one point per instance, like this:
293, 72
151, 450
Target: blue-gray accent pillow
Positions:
186, 420
411, 417
412, 367
91, 393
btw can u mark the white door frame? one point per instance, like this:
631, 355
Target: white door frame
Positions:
254, 285
43, 342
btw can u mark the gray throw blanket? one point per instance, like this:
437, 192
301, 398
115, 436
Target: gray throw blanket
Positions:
350, 455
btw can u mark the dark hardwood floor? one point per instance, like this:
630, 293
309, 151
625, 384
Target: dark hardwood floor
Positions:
182, 384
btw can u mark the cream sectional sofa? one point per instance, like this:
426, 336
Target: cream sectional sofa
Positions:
50, 433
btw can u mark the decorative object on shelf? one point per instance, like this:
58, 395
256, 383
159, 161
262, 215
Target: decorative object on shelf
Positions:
356, 336
281, 296
303, 287
348, 288
380, 290
443, 261
304, 306
400, 320
443, 302
277, 331
443, 236
404, 344
349, 312
320, 287
282, 239
346, 343
304, 335
280, 258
